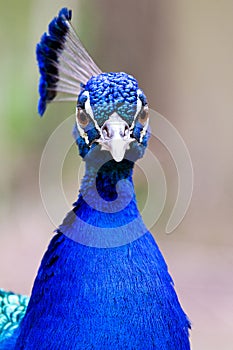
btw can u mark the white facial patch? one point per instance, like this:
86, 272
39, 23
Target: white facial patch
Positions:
144, 130
139, 107
89, 111
82, 133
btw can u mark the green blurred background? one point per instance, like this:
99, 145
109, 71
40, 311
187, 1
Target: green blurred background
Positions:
182, 54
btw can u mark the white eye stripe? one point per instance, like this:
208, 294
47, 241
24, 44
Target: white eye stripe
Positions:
82, 133
139, 103
143, 132
139, 107
89, 110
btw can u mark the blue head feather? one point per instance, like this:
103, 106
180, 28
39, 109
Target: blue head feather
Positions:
47, 53
112, 92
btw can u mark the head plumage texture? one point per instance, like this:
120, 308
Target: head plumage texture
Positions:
111, 111
112, 92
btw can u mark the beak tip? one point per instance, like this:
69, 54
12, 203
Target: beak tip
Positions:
118, 159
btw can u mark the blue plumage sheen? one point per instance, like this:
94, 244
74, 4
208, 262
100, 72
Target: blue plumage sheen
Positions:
103, 282
117, 297
112, 92
47, 53
90, 298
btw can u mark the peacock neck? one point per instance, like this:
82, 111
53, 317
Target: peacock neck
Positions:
109, 183
108, 189
106, 206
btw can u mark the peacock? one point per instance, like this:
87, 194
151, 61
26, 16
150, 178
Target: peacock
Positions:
103, 282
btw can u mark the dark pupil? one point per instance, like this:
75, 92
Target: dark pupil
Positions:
83, 117
143, 114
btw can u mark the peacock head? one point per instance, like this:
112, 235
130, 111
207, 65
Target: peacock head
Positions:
112, 114
112, 111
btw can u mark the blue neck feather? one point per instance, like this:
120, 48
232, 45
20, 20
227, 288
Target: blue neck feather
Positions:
106, 213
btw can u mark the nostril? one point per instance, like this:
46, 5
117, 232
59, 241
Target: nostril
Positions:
115, 129
106, 132
125, 131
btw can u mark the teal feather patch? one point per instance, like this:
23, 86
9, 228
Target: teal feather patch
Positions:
12, 309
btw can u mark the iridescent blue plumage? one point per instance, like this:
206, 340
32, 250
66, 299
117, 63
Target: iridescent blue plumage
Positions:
47, 53
102, 283
63, 62
112, 92
116, 297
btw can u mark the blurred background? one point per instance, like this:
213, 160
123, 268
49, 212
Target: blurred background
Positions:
182, 54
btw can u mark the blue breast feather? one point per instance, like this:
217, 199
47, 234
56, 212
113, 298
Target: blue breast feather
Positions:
90, 298
103, 298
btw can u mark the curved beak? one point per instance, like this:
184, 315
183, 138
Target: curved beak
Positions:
115, 137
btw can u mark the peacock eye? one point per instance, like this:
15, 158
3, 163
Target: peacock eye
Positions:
82, 117
143, 115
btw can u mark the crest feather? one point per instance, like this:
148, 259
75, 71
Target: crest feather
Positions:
63, 62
